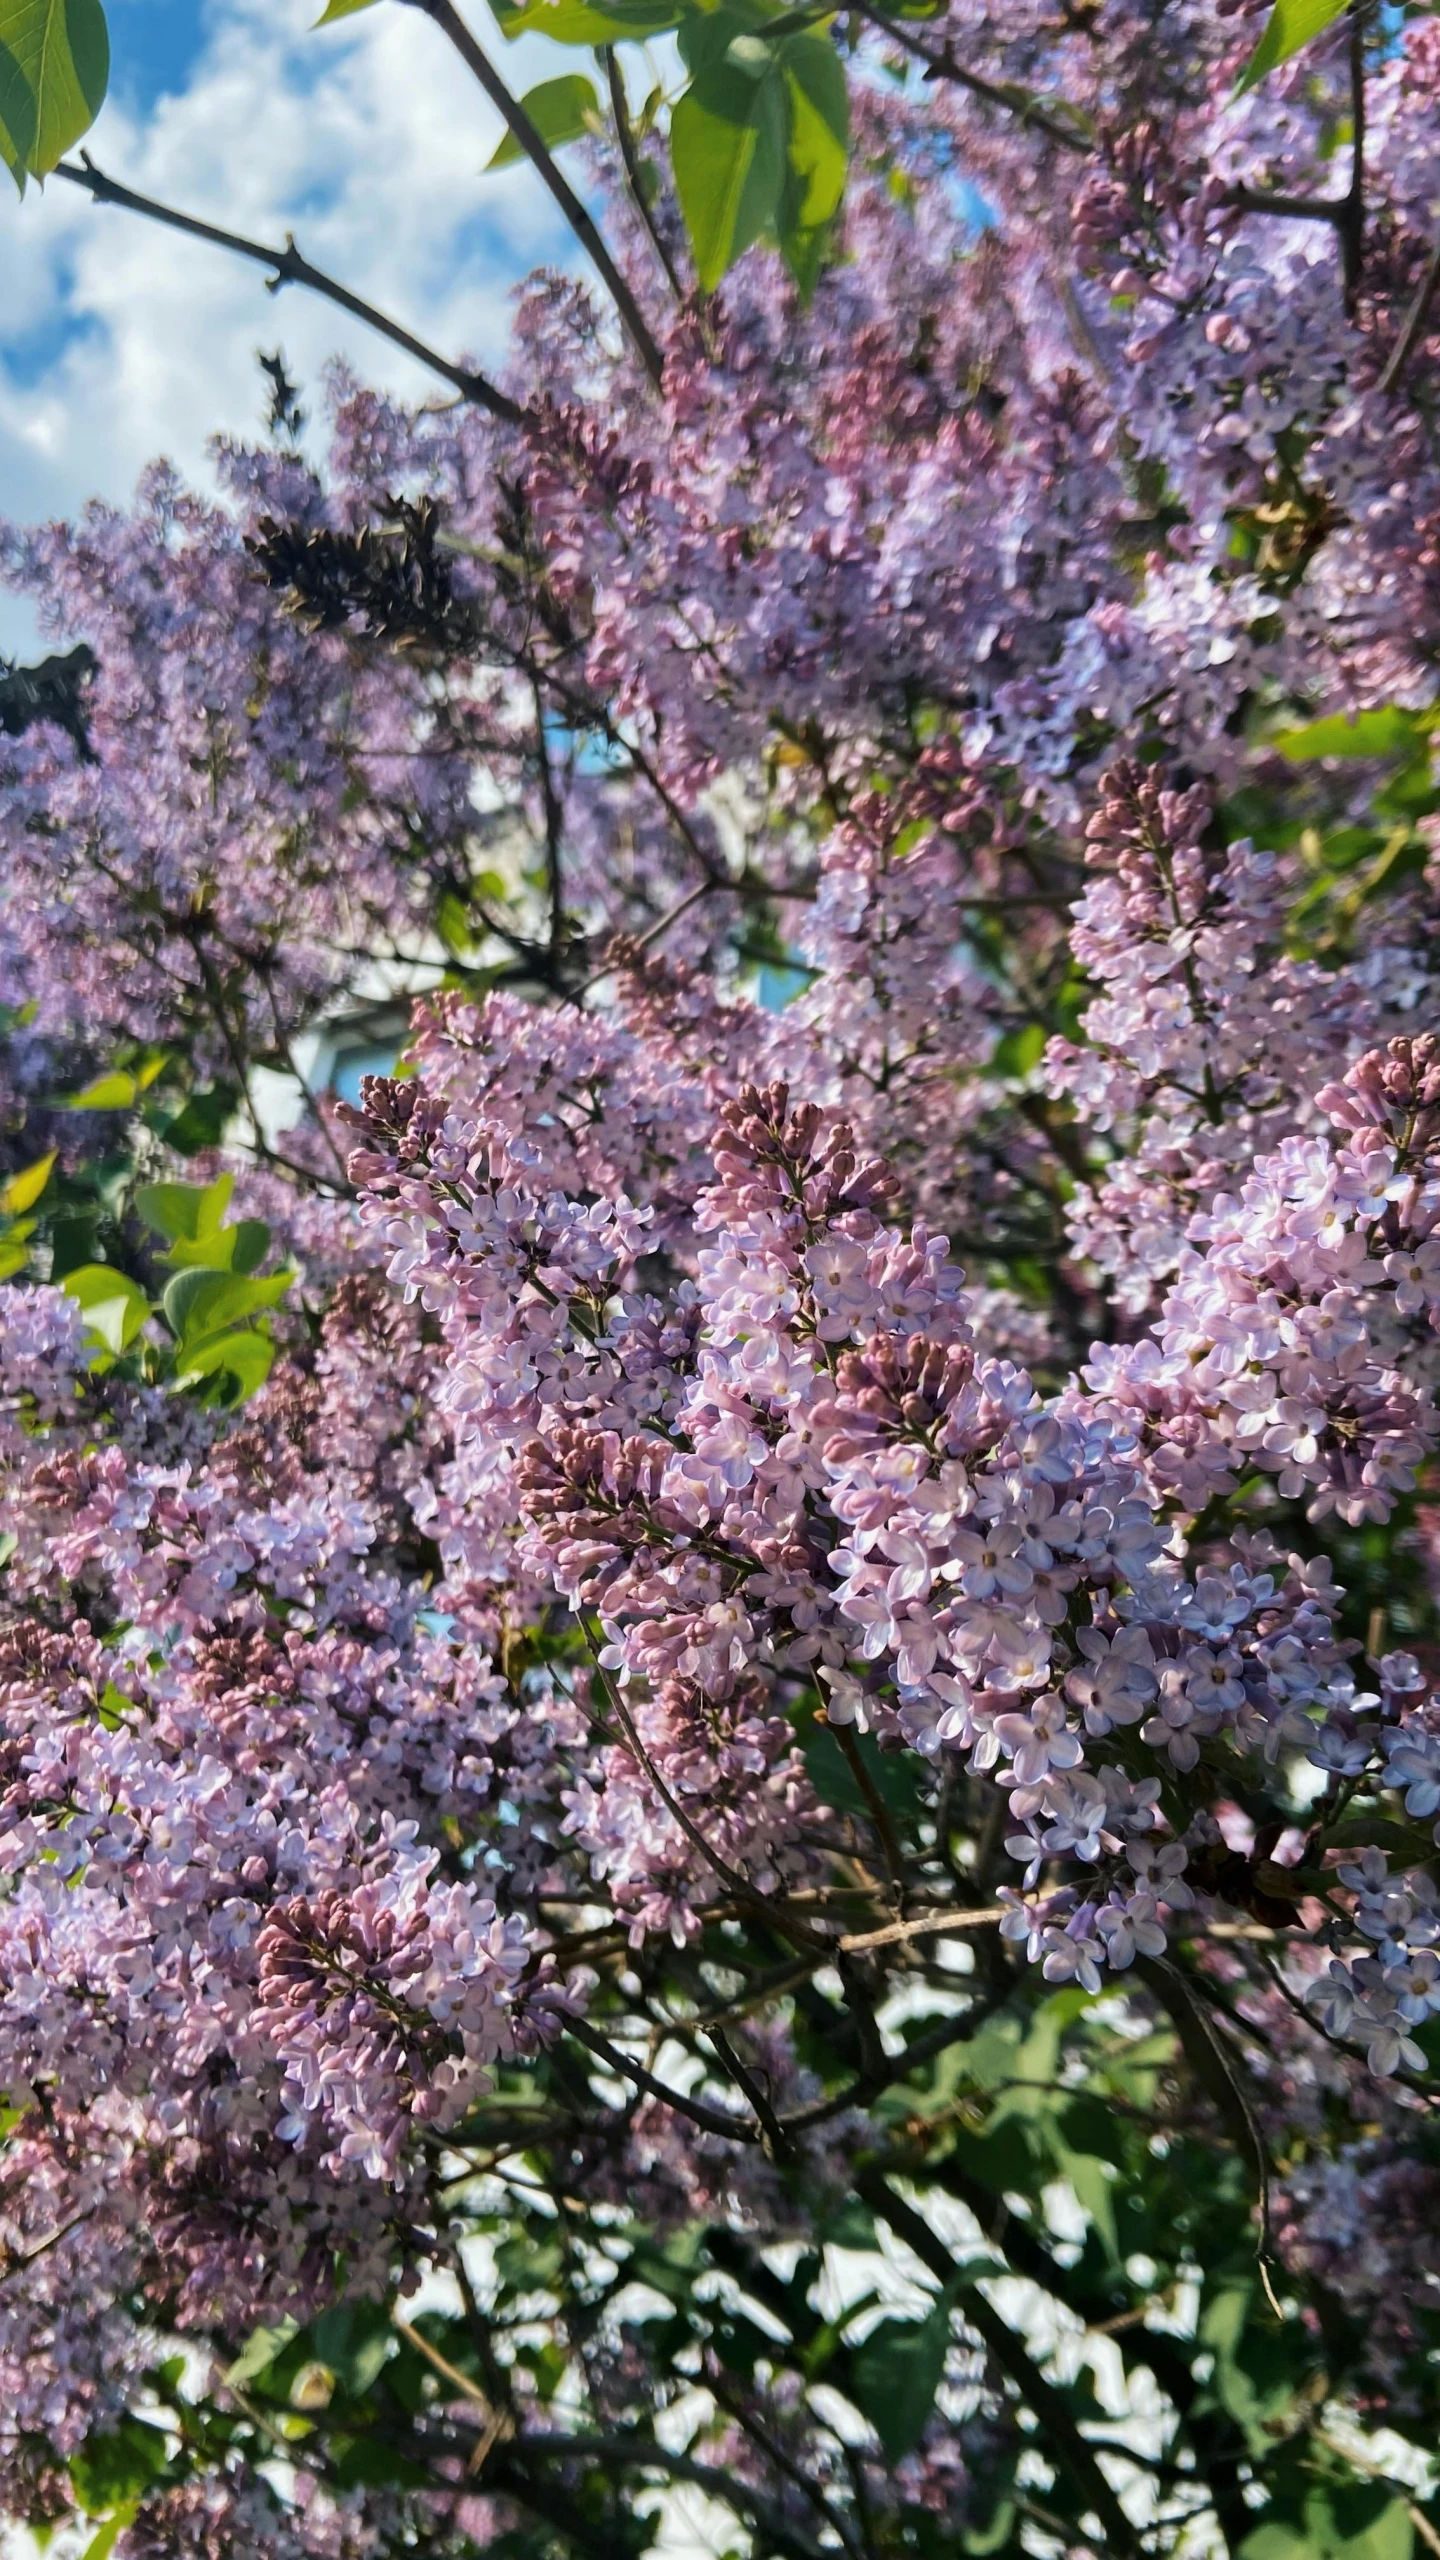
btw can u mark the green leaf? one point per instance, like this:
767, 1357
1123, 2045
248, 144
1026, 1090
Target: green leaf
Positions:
897, 1781
115, 1306
113, 1092
355, 2339
101, 2544
23, 1189
729, 138
1018, 1051
116, 2466
895, 2375
206, 1253
334, 9
54, 69
577, 22
819, 127
260, 2351
1359, 2520
1088, 2174
1386, 732
200, 1303
242, 1247
1260, 2366
252, 1243
1290, 25
560, 110
806, 250
119, 1087
452, 923
185, 1211
995, 2536
235, 1363
203, 1120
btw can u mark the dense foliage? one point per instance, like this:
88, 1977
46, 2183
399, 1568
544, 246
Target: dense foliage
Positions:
721, 1761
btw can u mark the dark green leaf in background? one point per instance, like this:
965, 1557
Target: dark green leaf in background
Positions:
896, 2374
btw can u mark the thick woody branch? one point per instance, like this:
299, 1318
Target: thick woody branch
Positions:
1063, 2440
709, 2119
1346, 212
476, 60
287, 266
1288, 208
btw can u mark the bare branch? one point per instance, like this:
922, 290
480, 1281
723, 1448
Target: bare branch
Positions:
289, 267
1062, 2438
531, 143
554, 831
777, 2140
1346, 212
631, 2446
943, 66
652, 934
709, 2119
928, 1924
620, 109
1289, 208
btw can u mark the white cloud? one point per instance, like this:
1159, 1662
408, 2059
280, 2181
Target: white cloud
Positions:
120, 340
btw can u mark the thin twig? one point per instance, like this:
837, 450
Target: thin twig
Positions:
709, 2119
289, 267
930, 1924
442, 2365
653, 933
476, 60
1377, 2471
1415, 321
1423, 2526
498, 2422
943, 66
756, 1903
1346, 212
554, 830
890, 2068
879, 1811
1352, 229
810, 2490
22, 2259
620, 109
777, 2140
1199, 2038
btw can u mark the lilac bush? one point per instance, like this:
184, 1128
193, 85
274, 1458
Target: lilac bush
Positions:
719, 1716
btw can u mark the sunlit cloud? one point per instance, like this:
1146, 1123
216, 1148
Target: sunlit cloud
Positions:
120, 340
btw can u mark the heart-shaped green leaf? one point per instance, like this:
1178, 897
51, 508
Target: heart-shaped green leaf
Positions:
54, 70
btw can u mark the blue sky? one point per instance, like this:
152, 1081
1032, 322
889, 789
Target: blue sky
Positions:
119, 341
155, 46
